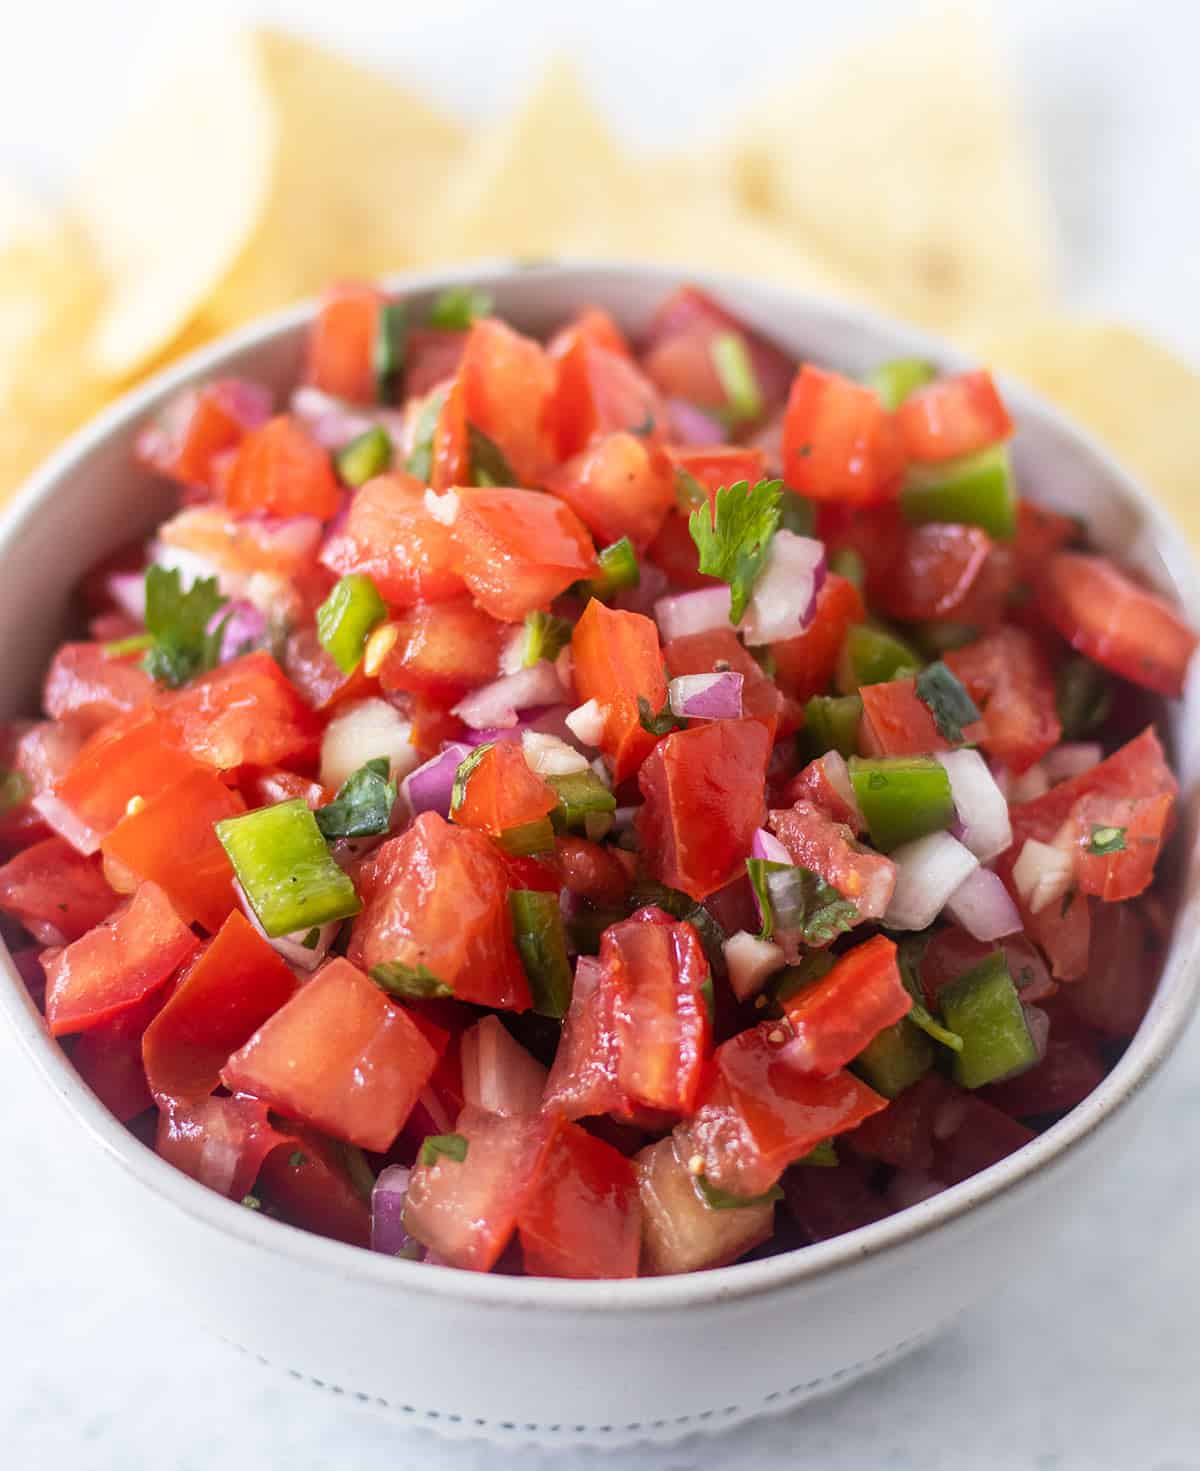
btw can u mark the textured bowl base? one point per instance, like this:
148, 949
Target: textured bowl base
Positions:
512, 1434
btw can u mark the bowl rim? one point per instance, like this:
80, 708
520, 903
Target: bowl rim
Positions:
1161, 1029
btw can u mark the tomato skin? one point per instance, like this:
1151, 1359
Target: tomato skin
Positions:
85, 685
592, 325
1105, 614
1125, 874
1007, 676
583, 1077
390, 536
116, 965
443, 650
318, 680
837, 1016
902, 1134
199, 426
339, 1056
244, 713
518, 549
590, 871
171, 841
108, 1058
805, 665
895, 722
451, 448
815, 785
1063, 935
304, 1176
674, 551
219, 1142
503, 793
985, 1135
438, 896
952, 416
1115, 992
431, 356
699, 653
582, 1217
942, 571
704, 797
1040, 533
617, 659
508, 386
236, 982
619, 485
55, 892
679, 352
828, 848
598, 391
280, 468
341, 341
839, 444
721, 466
283, 547
827, 1203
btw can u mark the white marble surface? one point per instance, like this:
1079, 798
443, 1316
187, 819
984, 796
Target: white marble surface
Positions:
1088, 1361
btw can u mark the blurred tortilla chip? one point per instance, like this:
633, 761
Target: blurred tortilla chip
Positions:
1133, 394
908, 163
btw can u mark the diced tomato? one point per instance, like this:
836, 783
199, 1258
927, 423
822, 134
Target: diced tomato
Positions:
825, 784
828, 848
598, 390
283, 547
341, 341
952, 416
984, 1137
200, 425
466, 1210
340, 1056
433, 726
280, 468
55, 892
305, 1178
109, 1060
315, 675
721, 466
1115, 991
265, 786
1063, 932
582, 1218
895, 722
804, 665
503, 793
839, 443
583, 1080
533, 873
1040, 533
680, 1232
1104, 614
86, 685
496, 1072
593, 325
1070, 1070
705, 795
679, 355
451, 447
443, 650
590, 871
431, 356
391, 536
244, 713
834, 1019
171, 840
508, 387
902, 1135
1139, 824
518, 549
700, 653
1006, 675
617, 662
943, 571
759, 1113
232, 987
619, 485
116, 965
221, 1142
439, 900
674, 552
829, 1202
951, 951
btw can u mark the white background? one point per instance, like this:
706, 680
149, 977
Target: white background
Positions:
1088, 1360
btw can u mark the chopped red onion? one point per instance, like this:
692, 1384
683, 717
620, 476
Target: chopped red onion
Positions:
387, 1211
767, 845
1071, 759
1038, 1022
693, 612
707, 696
496, 704
652, 584
1042, 874
428, 789
333, 422
750, 962
783, 602
497, 1072
928, 871
128, 591
979, 803
245, 629
688, 425
292, 947
984, 907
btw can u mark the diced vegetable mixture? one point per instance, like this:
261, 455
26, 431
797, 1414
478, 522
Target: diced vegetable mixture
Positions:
595, 807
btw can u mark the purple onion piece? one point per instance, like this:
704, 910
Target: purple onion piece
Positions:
128, 591
387, 1212
428, 789
691, 426
497, 704
983, 906
245, 628
767, 845
715, 696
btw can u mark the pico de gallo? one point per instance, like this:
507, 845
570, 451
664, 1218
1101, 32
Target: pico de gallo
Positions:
594, 807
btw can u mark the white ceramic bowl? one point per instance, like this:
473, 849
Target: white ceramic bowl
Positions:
517, 1359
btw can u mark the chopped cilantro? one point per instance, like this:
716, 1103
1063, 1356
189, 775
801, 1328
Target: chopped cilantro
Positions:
15, 790
949, 703
363, 805
462, 775
689, 493
545, 637
312, 939
823, 1156
439, 1146
722, 1200
488, 464
297, 1158
179, 622
136, 643
458, 306
1106, 840
796, 899
252, 1202
733, 538
660, 724
908, 957
413, 982
645, 427
420, 461
391, 345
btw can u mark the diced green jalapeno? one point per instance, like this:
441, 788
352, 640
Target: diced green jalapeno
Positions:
542, 944
831, 724
346, 618
722, 1200
823, 1156
284, 867
984, 1008
391, 341
365, 457
420, 461
413, 982
895, 1058
848, 563
873, 656
581, 794
975, 490
529, 839
796, 978
616, 567
458, 306
1083, 695
895, 380
588, 923
902, 798
731, 359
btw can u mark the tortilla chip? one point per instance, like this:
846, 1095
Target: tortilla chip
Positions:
907, 163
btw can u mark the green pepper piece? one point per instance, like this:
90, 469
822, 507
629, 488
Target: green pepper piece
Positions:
984, 1008
731, 360
364, 457
722, 1200
581, 794
894, 381
796, 978
617, 567
902, 798
391, 343
831, 724
1083, 696
973, 490
542, 944
848, 563
872, 655
346, 618
528, 840
284, 867
458, 306
895, 1058
420, 461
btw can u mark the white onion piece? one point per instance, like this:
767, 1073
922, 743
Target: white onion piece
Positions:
693, 612
128, 592
837, 773
443, 508
784, 599
496, 704
750, 961
586, 723
767, 845
624, 817
984, 907
361, 733
927, 872
498, 1074
1030, 784
549, 756
1071, 759
1042, 874
716, 696
292, 947
979, 803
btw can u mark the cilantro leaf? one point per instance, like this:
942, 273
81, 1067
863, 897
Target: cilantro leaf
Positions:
413, 982
179, 622
420, 461
458, 306
1106, 840
690, 495
823, 1156
908, 958
390, 350
660, 724
545, 637
722, 1200
798, 900
733, 538
466, 766
447, 1146
949, 703
488, 464
363, 805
